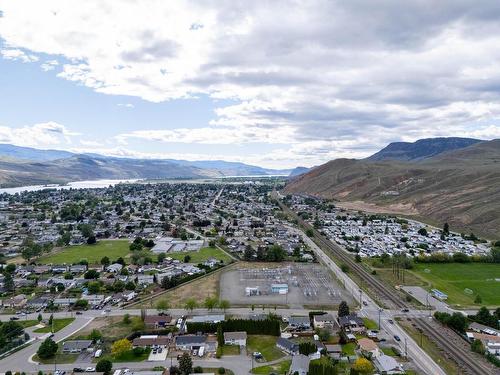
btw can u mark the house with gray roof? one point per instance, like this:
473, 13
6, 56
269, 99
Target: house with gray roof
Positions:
288, 346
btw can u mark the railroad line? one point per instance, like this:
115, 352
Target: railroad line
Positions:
379, 288
465, 359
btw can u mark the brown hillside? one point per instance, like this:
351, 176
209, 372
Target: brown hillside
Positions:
461, 187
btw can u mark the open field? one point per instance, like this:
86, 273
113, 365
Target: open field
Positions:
202, 255
199, 289
308, 284
113, 249
454, 278
266, 345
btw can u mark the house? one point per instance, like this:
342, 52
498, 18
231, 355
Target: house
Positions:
287, 345
235, 338
387, 365
351, 323
334, 351
300, 365
301, 322
190, 342
38, 302
145, 279
16, 302
157, 321
368, 348
76, 346
77, 268
147, 341
320, 321
114, 268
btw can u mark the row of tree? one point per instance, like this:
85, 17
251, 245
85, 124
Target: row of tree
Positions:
269, 326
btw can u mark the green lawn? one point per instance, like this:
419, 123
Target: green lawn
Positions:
113, 249
202, 255
59, 358
230, 350
390, 352
58, 325
349, 348
129, 357
454, 278
28, 323
278, 368
266, 345
370, 324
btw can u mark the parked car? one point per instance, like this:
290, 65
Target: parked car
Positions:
391, 321
405, 310
90, 369
397, 338
78, 313
78, 369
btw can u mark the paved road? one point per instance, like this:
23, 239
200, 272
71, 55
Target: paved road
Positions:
21, 360
419, 356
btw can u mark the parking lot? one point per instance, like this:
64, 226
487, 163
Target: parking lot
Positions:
308, 284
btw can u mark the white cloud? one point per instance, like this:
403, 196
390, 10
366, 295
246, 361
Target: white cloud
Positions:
127, 105
329, 78
38, 135
17, 54
49, 65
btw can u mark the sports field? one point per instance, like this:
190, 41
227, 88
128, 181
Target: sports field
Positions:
113, 249
462, 282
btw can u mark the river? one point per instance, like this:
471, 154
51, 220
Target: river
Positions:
92, 184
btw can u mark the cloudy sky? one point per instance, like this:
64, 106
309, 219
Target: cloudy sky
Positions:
277, 84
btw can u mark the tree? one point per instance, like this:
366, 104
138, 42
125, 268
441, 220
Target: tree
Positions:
126, 319
190, 304
358, 258
477, 346
210, 303
343, 309
422, 232
309, 233
446, 229
95, 335
104, 365
495, 254
185, 364
224, 304
105, 261
81, 304
8, 282
47, 349
162, 305
39, 318
121, 346
94, 287
344, 268
362, 365
458, 321
478, 299
187, 258
91, 274
307, 348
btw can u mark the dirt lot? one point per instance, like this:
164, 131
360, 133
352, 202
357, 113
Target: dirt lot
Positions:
309, 284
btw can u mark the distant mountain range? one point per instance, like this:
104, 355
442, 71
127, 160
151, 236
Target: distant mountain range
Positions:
21, 166
441, 182
422, 149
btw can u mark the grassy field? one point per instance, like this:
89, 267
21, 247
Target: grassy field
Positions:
202, 255
58, 325
265, 345
199, 289
278, 368
60, 358
28, 323
370, 324
454, 278
113, 249
230, 350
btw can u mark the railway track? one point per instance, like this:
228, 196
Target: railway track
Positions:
378, 287
464, 358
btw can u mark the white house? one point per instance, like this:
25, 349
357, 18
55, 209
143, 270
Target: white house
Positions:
235, 338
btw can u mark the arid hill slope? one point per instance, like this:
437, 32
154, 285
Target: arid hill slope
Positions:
461, 187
